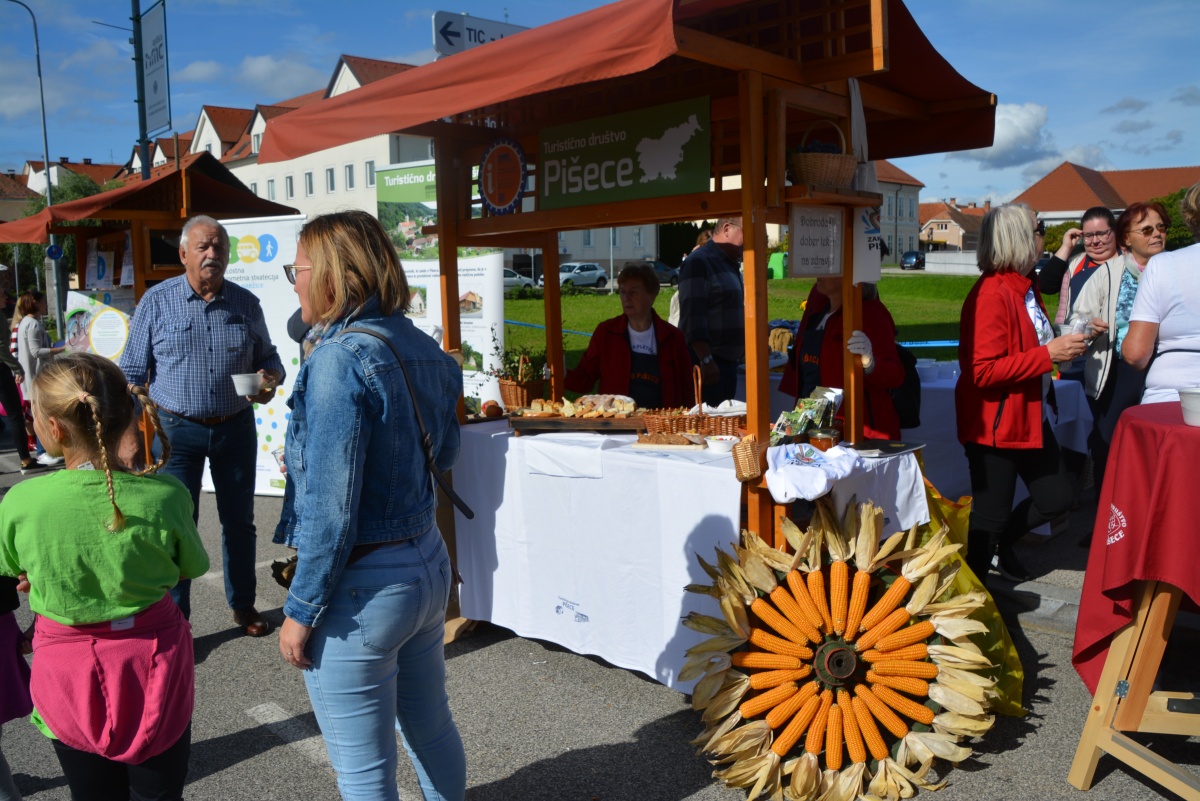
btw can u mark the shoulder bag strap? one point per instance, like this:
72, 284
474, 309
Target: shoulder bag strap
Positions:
426, 438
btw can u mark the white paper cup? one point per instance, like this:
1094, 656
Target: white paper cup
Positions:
1189, 400
247, 384
1063, 330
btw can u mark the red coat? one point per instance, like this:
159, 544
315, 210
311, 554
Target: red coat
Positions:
882, 420
608, 359
998, 398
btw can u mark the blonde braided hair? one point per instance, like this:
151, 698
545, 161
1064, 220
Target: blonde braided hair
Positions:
118, 521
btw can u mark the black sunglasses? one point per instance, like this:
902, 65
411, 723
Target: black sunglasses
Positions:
1040, 228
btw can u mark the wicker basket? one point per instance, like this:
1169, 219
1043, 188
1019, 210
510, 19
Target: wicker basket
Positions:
678, 421
519, 393
747, 459
827, 169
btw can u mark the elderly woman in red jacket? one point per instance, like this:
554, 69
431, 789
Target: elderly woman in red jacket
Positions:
1007, 350
637, 353
817, 355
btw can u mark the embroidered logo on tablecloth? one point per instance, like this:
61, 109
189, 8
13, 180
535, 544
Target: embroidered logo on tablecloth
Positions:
566, 607
1116, 525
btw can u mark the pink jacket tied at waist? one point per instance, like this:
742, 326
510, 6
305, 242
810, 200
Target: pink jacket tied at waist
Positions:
122, 689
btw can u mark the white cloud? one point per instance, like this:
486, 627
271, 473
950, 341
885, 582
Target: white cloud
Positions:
275, 79
199, 72
1126, 105
1021, 138
1132, 126
99, 52
418, 14
1092, 156
1187, 95
1169, 141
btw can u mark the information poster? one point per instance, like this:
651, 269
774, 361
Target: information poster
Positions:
95, 325
814, 241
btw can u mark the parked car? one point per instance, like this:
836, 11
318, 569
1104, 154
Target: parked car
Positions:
665, 272
580, 273
512, 278
912, 260
1042, 262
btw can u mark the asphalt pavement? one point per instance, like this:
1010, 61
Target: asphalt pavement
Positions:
539, 722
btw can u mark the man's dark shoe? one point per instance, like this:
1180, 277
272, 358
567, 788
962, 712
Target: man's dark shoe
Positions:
1008, 566
251, 622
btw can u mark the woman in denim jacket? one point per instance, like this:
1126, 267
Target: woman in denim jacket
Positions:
366, 608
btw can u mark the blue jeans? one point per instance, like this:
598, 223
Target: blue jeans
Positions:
230, 450
379, 665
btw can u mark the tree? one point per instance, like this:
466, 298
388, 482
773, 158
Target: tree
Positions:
1179, 236
1054, 235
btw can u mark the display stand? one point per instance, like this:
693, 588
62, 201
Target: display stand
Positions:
1124, 702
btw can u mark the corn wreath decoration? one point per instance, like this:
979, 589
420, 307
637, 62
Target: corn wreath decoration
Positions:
809, 667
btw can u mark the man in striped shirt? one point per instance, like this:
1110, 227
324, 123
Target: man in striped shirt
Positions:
188, 335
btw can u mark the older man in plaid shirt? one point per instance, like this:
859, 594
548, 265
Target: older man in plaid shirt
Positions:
189, 334
712, 309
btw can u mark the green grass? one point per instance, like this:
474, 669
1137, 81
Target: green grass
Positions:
925, 307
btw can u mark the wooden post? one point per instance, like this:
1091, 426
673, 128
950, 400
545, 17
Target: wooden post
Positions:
552, 300
449, 209
852, 402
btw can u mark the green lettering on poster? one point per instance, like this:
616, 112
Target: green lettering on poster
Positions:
654, 152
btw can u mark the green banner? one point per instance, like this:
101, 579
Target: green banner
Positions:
406, 185
655, 152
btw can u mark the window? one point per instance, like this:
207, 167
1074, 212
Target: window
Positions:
208, 148
562, 236
308, 184
254, 187
349, 176
329, 186
370, 170
637, 237
289, 187
255, 143
911, 209
270, 189
890, 248
614, 238
910, 247
587, 238
889, 206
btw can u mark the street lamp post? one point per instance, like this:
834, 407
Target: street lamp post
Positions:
59, 286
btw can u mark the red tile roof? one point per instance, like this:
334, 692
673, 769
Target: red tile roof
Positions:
271, 112
12, 187
167, 144
229, 123
1134, 185
969, 218
302, 100
1071, 187
369, 70
97, 172
886, 171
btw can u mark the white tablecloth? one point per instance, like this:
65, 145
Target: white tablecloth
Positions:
595, 564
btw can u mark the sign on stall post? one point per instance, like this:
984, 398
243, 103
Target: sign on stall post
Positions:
454, 33
815, 241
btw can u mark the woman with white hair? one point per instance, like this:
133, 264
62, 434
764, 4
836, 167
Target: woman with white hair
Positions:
1007, 350
1164, 326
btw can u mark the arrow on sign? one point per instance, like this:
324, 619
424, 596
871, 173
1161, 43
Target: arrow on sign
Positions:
447, 32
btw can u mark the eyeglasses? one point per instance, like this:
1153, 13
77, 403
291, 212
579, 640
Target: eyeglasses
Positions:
1149, 229
290, 271
1040, 230
631, 293
1096, 235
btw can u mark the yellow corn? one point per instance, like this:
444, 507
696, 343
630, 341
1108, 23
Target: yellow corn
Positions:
884, 606
795, 582
918, 670
905, 706
777, 645
858, 603
767, 614
908, 652
768, 700
912, 635
786, 603
816, 589
890, 720
868, 730
882, 629
791, 734
773, 678
784, 712
833, 739
906, 684
839, 594
853, 737
816, 732
758, 659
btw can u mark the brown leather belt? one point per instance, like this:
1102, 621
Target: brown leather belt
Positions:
204, 421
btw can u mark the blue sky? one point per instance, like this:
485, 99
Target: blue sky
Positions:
1111, 85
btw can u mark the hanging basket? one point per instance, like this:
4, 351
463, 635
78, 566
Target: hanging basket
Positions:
519, 393
827, 169
747, 459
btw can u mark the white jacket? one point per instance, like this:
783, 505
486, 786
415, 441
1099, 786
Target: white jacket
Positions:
1098, 298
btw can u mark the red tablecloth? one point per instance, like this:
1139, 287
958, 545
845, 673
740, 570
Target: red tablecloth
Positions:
1147, 527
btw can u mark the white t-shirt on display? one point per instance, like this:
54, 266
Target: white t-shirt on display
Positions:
643, 341
1169, 295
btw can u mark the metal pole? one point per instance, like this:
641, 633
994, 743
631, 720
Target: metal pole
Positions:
136, 41
611, 281
60, 285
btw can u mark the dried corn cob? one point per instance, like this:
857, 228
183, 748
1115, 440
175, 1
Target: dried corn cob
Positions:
777, 645
833, 739
868, 730
905, 706
767, 614
786, 603
773, 678
919, 670
890, 720
816, 590
884, 606
912, 635
816, 731
908, 652
784, 712
795, 581
768, 700
758, 659
858, 603
853, 737
907, 684
791, 735
839, 594
882, 629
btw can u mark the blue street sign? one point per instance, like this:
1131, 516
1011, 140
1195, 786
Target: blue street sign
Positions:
54, 252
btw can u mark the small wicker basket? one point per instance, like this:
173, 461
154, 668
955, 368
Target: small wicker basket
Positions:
679, 421
520, 392
828, 169
747, 459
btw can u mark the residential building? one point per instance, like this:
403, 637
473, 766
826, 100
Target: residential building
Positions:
898, 218
35, 172
945, 225
1069, 190
14, 196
